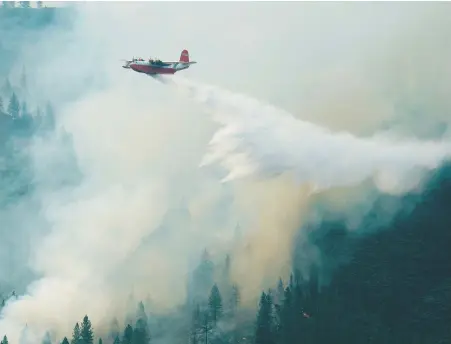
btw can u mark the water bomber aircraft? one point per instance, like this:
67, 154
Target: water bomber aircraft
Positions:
154, 67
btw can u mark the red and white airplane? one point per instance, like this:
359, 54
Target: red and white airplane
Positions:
154, 67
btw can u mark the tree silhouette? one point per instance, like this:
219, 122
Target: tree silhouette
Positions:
206, 325
140, 334
264, 332
76, 335
14, 106
87, 331
215, 304
235, 298
196, 323
47, 339
128, 335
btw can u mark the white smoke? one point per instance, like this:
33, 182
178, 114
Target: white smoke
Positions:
259, 140
139, 147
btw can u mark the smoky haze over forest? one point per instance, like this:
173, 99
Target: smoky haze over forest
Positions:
107, 206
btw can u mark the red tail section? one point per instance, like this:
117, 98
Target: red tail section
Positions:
184, 56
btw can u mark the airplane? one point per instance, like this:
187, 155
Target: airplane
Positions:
154, 67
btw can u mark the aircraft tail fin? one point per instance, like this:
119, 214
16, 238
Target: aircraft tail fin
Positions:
184, 56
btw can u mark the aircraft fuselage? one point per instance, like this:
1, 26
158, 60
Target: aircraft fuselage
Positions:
152, 69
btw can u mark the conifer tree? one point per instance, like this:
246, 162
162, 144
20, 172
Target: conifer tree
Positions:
76, 335
141, 313
13, 106
195, 325
206, 325
236, 297
280, 292
117, 340
5, 340
24, 335
128, 335
140, 333
215, 304
86, 331
264, 331
65, 341
100, 341
287, 325
47, 339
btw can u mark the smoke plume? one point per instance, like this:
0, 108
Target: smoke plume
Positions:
259, 140
144, 210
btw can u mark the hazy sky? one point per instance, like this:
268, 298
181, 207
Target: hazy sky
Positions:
346, 66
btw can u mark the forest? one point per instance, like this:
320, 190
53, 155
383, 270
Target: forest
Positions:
394, 285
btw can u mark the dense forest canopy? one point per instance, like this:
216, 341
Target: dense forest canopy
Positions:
392, 285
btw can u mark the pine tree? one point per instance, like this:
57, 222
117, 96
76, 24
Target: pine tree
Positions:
264, 332
76, 335
215, 304
287, 318
140, 333
13, 106
280, 292
128, 335
195, 325
203, 278
100, 341
65, 341
141, 313
47, 339
5, 340
87, 331
24, 335
117, 340
206, 325
236, 297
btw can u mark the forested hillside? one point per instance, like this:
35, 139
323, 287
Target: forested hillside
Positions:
393, 287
